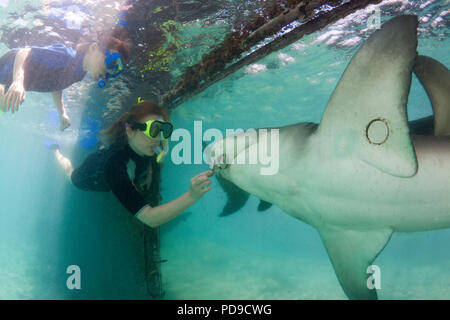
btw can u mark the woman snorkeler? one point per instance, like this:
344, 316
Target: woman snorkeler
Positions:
133, 139
56, 67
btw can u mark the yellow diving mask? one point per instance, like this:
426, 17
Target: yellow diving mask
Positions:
154, 128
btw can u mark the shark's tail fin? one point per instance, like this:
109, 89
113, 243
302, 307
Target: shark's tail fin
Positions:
435, 78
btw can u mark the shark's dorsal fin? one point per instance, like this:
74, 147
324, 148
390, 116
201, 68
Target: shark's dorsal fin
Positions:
366, 116
435, 78
351, 253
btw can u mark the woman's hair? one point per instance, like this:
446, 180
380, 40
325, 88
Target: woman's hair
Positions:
113, 40
116, 133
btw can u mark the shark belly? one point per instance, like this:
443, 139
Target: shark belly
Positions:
350, 193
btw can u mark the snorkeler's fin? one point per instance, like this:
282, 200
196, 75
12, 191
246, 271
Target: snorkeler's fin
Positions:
91, 126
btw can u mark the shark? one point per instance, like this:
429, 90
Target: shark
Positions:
363, 172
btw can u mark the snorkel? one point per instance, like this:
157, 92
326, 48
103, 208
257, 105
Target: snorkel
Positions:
155, 128
114, 65
161, 150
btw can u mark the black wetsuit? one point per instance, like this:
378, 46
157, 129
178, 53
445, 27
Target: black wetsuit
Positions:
122, 171
46, 69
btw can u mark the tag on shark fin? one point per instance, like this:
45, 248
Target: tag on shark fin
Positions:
366, 115
351, 253
435, 78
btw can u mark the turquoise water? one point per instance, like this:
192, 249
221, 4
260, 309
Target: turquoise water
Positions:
46, 224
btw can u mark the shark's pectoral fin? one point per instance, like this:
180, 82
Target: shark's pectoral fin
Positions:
264, 205
435, 78
366, 116
351, 253
236, 197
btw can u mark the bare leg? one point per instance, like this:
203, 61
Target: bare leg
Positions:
2, 93
65, 164
63, 117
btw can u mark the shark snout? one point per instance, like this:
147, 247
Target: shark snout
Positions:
225, 152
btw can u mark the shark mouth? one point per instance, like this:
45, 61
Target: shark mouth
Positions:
217, 168
220, 159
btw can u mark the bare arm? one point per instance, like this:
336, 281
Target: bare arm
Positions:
159, 215
19, 63
16, 92
59, 102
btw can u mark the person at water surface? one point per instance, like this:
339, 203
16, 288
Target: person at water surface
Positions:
130, 166
56, 67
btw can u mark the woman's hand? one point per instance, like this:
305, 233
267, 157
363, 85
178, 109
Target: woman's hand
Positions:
14, 97
156, 216
200, 184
